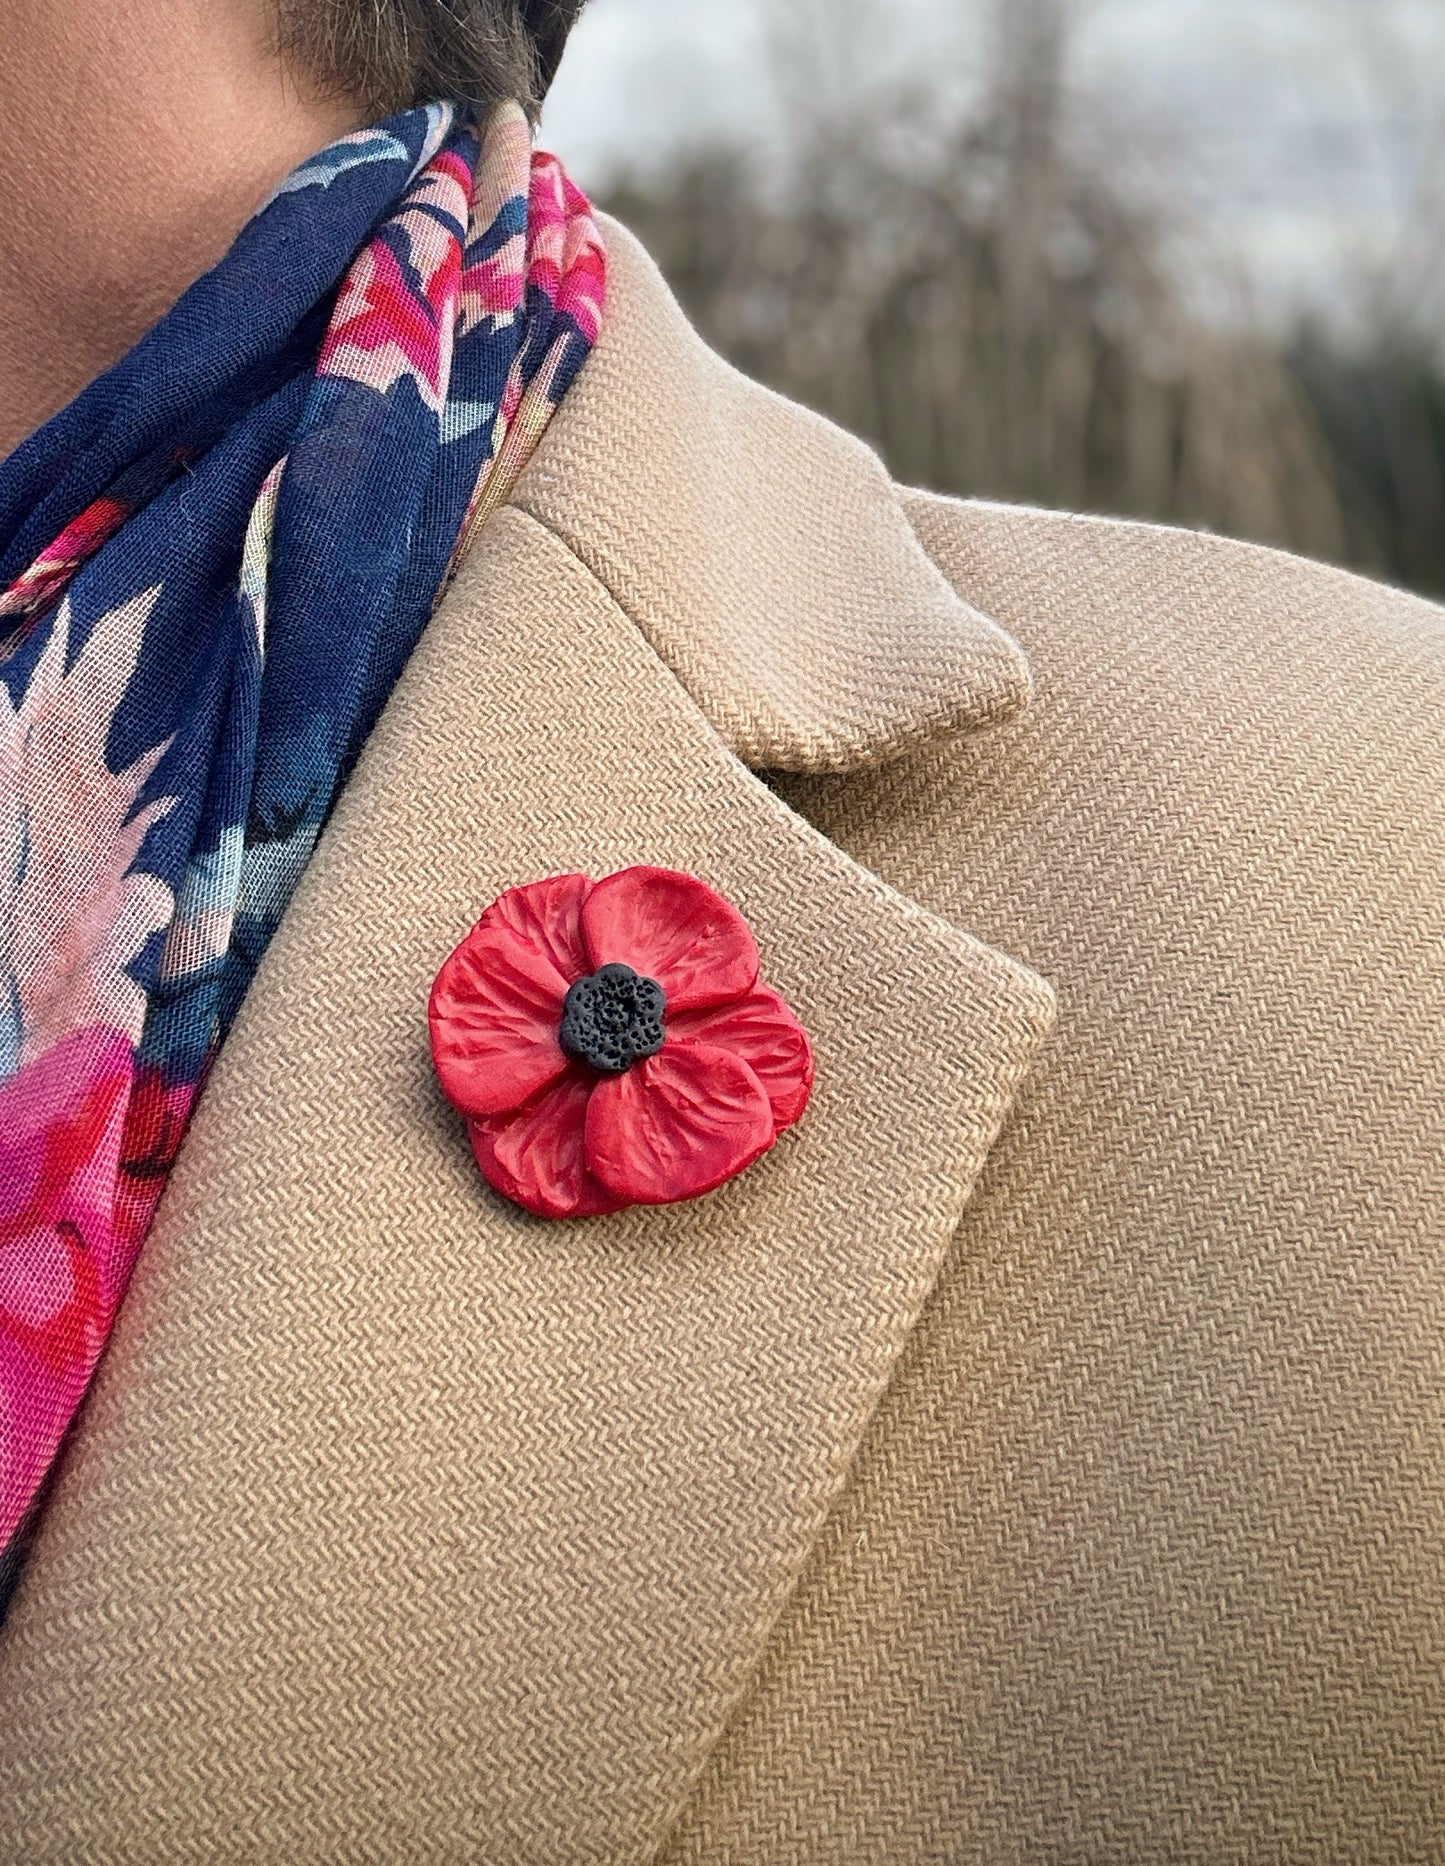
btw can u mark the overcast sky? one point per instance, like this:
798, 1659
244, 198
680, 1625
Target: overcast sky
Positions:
1299, 130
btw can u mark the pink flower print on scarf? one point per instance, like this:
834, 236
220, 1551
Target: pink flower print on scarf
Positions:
62, 1121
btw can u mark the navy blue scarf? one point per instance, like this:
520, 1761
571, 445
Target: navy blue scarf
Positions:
214, 566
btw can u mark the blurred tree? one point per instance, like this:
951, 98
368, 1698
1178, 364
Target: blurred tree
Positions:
975, 295
1376, 378
1382, 410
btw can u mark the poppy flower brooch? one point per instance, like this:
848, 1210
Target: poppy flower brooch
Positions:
610, 1045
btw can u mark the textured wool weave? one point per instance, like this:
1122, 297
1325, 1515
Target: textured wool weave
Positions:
1144, 1555
215, 563
838, 1516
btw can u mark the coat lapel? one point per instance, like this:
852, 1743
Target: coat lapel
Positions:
404, 1525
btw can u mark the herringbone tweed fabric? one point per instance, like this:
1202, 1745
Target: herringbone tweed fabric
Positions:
1144, 1557
405, 1528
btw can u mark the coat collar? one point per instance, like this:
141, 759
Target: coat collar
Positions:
760, 549
468, 1527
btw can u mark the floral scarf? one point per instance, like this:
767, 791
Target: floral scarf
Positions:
214, 565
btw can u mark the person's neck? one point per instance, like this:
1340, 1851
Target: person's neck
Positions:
136, 138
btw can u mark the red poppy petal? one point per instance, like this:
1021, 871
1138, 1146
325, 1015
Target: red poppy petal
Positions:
495, 1011
674, 928
677, 1125
535, 1156
765, 1032
547, 915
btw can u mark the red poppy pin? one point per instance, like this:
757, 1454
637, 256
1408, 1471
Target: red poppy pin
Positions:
610, 1044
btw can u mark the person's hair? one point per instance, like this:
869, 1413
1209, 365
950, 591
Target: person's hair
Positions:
396, 53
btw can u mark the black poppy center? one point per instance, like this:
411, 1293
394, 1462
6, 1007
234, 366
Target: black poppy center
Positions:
613, 1019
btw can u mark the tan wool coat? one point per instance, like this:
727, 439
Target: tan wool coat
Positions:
1038, 1456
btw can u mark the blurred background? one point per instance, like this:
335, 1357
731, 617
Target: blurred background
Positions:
1175, 259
